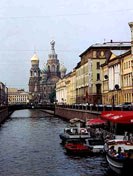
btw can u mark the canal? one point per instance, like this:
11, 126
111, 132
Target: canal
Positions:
30, 146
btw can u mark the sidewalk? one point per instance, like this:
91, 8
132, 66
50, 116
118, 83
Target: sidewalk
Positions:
48, 111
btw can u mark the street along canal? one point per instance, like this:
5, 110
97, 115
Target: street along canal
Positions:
30, 146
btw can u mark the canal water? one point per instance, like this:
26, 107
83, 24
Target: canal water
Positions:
30, 146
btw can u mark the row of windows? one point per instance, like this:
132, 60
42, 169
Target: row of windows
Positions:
16, 96
127, 64
84, 69
18, 99
128, 97
127, 80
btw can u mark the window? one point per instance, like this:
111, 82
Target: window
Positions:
94, 54
98, 88
98, 65
98, 76
53, 68
35, 74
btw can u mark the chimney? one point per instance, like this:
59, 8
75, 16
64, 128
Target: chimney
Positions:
131, 28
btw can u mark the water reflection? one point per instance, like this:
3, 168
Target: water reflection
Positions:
30, 146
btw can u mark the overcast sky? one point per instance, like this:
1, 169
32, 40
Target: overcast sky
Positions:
28, 25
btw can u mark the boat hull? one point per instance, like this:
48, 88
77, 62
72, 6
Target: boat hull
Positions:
120, 166
114, 165
77, 149
66, 137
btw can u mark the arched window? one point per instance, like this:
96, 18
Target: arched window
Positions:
48, 68
53, 68
35, 73
58, 68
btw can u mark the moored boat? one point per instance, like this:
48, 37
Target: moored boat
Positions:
96, 145
119, 149
119, 155
77, 148
85, 146
74, 131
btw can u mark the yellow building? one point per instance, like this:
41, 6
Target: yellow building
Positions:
117, 86
117, 79
66, 89
89, 70
71, 88
88, 80
17, 96
61, 93
127, 78
112, 84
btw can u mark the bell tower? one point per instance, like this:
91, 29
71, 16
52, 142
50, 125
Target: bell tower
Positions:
53, 64
34, 80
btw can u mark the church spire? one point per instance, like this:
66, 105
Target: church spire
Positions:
52, 47
52, 55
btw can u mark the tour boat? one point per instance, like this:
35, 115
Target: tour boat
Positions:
85, 146
119, 162
121, 127
74, 131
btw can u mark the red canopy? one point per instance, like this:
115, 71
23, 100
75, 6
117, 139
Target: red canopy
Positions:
96, 121
125, 117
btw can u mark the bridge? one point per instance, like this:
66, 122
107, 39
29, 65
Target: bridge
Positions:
6, 111
28, 106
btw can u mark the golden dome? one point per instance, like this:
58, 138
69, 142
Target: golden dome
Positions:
34, 58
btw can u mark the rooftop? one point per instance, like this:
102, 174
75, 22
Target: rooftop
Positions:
111, 45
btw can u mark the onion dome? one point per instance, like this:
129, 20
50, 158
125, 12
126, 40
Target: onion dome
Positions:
63, 68
35, 59
45, 69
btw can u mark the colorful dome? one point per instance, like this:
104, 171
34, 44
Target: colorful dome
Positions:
63, 68
45, 68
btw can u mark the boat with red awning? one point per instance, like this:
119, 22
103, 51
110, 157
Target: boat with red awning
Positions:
121, 126
125, 117
95, 121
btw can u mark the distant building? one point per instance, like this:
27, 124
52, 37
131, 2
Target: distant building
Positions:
42, 81
3, 94
17, 96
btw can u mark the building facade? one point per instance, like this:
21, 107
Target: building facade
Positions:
61, 91
118, 76
3, 94
17, 96
91, 61
42, 81
91, 81
66, 89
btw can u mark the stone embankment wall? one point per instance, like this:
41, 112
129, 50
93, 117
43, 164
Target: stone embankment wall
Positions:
3, 115
68, 114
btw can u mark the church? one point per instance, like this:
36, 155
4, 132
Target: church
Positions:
42, 82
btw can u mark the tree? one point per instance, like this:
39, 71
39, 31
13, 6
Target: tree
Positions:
52, 96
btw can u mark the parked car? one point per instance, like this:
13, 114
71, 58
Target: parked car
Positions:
126, 106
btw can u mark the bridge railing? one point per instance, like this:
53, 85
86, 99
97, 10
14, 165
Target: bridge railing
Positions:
91, 107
